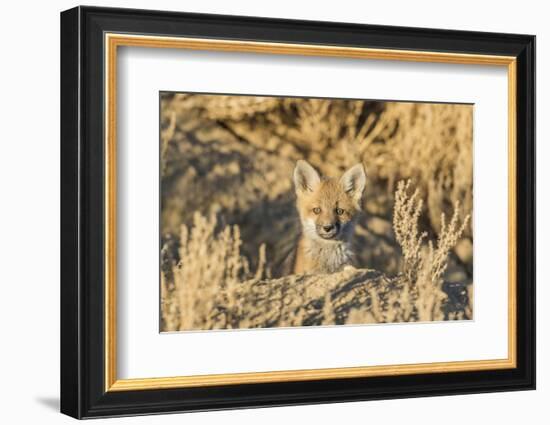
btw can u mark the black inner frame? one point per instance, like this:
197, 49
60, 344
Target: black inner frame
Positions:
82, 212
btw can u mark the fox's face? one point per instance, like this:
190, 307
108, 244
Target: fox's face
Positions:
328, 206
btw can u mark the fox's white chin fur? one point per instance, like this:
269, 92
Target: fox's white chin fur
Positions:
332, 254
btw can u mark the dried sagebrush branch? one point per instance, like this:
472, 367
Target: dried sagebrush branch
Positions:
424, 265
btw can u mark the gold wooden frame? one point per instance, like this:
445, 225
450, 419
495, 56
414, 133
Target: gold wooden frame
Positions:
113, 41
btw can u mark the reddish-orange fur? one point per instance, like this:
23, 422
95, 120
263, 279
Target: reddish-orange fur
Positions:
327, 208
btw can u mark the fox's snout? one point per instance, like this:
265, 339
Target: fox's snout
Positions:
328, 227
328, 231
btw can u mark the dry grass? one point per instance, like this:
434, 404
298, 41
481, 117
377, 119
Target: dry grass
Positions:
212, 286
230, 159
424, 265
206, 285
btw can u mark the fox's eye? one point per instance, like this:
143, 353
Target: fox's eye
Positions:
339, 211
317, 210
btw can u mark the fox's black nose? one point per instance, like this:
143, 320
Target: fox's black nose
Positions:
328, 227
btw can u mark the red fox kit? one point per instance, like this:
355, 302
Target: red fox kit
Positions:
327, 208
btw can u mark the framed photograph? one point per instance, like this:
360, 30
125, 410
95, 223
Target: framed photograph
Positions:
261, 212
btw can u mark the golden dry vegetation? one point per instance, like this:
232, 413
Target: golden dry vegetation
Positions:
228, 218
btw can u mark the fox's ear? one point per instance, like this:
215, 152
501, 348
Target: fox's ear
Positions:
306, 178
354, 181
